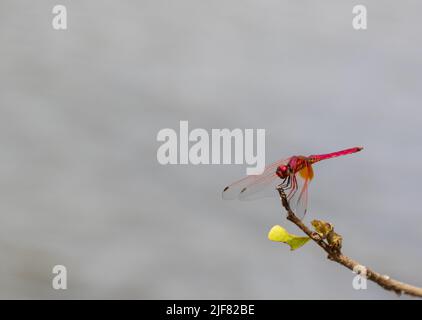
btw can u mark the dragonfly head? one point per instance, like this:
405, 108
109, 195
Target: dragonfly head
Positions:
283, 171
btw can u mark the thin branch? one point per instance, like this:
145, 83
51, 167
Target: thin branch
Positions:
334, 254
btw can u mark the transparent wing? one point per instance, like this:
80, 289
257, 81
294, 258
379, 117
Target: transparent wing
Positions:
255, 186
298, 197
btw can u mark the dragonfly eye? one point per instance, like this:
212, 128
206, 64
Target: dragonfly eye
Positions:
283, 171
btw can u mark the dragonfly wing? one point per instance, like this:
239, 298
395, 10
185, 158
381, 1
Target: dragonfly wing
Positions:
254, 186
260, 189
299, 199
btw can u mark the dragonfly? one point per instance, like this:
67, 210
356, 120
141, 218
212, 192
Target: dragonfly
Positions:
293, 175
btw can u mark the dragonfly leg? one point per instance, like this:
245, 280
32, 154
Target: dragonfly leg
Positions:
293, 188
288, 183
285, 184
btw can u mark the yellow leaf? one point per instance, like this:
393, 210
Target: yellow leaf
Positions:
296, 242
279, 234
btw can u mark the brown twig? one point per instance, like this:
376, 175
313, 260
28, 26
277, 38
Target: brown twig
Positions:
335, 254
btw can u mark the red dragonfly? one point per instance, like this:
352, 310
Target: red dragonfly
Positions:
292, 174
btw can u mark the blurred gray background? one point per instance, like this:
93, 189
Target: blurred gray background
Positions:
79, 114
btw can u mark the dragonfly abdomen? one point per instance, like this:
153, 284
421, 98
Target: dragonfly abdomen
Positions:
319, 157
